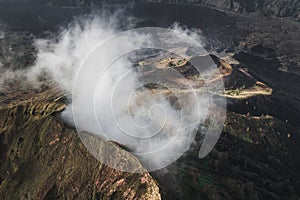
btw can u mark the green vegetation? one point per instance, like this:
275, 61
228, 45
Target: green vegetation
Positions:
197, 180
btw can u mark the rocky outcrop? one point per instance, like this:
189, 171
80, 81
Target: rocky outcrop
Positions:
43, 158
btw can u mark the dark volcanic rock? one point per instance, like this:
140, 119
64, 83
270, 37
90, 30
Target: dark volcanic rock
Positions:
16, 50
277, 8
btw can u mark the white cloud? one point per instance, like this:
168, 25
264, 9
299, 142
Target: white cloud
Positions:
61, 58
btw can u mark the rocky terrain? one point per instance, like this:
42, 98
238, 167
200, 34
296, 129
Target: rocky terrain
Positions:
257, 156
277, 8
43, 158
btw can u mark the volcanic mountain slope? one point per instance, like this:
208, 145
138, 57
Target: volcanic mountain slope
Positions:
43, 158
257, 154
255, 158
